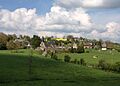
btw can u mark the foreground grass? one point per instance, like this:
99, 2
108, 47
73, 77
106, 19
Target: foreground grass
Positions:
46, 72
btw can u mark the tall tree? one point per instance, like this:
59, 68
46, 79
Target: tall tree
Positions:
35, 41
3, 41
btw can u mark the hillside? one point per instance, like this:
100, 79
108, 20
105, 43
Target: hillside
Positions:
46, 72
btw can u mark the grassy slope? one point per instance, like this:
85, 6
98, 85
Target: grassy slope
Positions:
110, 57
47, 72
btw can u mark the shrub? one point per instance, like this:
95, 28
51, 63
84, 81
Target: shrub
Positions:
82, 62
54, 56
2, 46
87, 51
104, 66
75, 61
101, 64
80, 49
73, 50
118, 50
117, 67
67, 58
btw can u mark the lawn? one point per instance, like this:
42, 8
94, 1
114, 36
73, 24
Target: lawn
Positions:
47, 72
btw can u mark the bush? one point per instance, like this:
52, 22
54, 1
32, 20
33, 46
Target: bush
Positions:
2, 46
67, 58
73, 50
104, 66
80, 49
54, 56
118, 50
82, 62
117, 67
87, 51
75, 61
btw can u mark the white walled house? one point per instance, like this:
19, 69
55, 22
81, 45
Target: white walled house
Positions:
104, 46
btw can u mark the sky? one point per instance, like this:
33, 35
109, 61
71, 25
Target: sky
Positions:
95, 19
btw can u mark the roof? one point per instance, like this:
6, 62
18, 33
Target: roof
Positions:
60, 39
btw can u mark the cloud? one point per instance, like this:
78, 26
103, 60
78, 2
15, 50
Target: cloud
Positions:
112, 32
88, 3
57, 20
101, 3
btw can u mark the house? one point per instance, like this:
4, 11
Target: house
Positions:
75, 46
60, 39
42, 46
104, 46
88, 45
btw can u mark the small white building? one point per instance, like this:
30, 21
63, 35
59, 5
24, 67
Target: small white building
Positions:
104, 46
75, 46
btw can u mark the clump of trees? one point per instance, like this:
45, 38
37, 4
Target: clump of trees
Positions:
103, 65
3, 41
13, 42
80, 49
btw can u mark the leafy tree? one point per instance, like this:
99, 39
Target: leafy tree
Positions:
67, 58
35, 41
82, 61
70, 38
3, 41
2, 46
27, 38
12, 37
80, 48
11, 45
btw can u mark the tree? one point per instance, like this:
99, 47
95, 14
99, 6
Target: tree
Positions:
3, 41
35, 41
11, 45
12, 37
80, 48
70, 38
67, 58
99, 43
82, 61
2, 46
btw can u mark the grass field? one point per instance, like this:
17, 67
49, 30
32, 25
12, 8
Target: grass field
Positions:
108, 56
47, 72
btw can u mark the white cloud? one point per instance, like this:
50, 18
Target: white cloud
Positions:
57, 20
92, 3
112, 32
88, 3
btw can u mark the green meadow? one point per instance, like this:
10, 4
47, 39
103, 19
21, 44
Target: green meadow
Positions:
94, 56
14, 69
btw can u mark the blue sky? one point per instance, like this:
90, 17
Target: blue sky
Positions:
98, 19
42, 6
